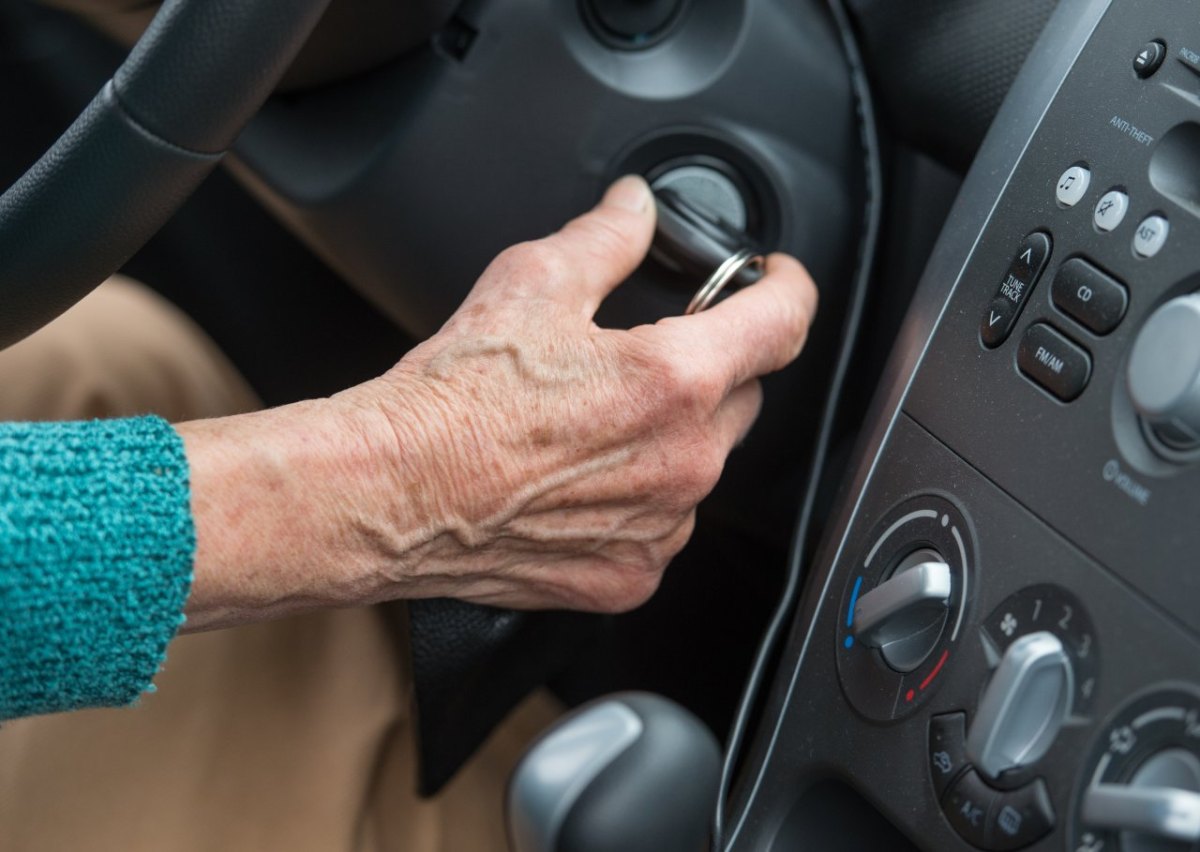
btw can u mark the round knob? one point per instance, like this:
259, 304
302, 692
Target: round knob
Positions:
632, 23
1157, 811
904, 615
632, 772
1164, 373
1023, 707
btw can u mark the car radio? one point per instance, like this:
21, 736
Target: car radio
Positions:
999, 644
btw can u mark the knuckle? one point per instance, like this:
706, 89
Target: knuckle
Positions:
530, 262
601, 235
794, 320
697, 471
686, 384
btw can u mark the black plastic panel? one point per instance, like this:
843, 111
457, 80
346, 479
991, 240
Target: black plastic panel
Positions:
823, 736
1077, 465
1078, 528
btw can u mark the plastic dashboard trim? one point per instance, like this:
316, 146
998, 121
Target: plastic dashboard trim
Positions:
1065, 37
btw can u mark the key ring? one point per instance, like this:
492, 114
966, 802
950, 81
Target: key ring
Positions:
721, 277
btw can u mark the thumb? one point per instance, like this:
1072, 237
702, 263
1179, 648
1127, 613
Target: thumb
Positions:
605, 245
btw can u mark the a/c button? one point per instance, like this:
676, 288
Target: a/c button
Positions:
968, 805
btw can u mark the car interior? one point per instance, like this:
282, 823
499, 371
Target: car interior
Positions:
940, 599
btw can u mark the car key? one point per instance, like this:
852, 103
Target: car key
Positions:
692, 241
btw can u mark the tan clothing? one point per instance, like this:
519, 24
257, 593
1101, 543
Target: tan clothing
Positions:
123, 350
290, 735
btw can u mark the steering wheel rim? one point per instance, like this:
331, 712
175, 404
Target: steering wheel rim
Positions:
198, 74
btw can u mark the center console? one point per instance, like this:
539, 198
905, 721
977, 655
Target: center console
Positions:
999, 642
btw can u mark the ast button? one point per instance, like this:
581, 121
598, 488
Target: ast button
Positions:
1019, 280
1087, 295
1150, 236
1054, 362
947, 749
1021, 817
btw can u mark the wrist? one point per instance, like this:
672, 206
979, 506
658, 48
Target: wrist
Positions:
292, 509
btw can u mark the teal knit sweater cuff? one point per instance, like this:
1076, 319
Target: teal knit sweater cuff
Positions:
96, 546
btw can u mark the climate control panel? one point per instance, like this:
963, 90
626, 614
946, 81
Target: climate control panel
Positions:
1000, 645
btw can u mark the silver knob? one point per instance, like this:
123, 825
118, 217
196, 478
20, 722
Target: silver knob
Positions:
1023, 707
1163, 376
633, 772
1159, 809
904, 615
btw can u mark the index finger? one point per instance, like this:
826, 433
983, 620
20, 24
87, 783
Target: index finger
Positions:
759, 329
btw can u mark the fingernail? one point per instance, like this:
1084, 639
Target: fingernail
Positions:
629, 193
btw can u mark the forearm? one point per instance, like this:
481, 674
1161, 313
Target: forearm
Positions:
289, 513
522, 457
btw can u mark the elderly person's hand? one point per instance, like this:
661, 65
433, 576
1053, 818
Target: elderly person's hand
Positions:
522, 457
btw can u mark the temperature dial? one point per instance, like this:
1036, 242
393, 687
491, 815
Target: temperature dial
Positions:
903, 607
1143, 790
904, 615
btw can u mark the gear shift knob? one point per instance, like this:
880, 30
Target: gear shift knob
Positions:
632, 772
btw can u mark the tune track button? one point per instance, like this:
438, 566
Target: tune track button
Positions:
1072, 185
1088, 296
1018, 282
1054, 362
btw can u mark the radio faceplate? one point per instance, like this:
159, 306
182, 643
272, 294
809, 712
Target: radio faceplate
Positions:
1007, 403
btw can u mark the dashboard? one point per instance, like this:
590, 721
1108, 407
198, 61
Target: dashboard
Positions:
998, 646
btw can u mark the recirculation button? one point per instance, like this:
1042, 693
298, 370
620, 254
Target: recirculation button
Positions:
947, 749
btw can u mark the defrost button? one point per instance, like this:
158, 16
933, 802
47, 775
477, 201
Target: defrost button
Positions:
1021, 817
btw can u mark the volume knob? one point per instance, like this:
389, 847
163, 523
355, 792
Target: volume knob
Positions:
1163, 376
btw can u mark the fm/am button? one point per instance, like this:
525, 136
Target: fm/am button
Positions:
1054, 362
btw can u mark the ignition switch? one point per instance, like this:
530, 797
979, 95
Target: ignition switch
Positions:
692, 240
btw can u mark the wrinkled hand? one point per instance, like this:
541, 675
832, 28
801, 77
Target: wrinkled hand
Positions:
570, 458
522, 456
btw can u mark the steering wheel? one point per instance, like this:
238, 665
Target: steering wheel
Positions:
140, 148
